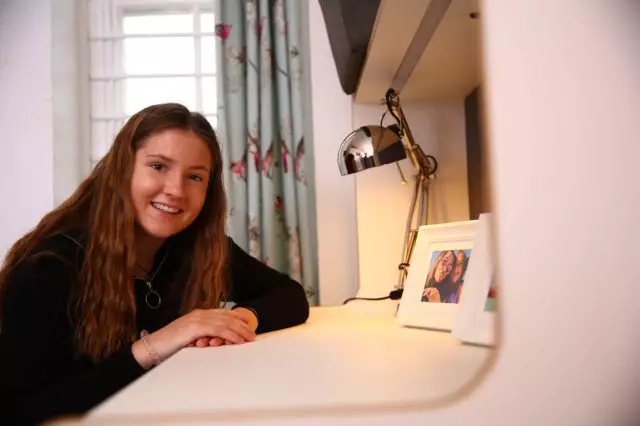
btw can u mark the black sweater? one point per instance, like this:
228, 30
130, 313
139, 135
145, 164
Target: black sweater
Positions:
40, 375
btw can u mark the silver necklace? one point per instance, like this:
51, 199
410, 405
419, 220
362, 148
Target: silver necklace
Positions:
152, 298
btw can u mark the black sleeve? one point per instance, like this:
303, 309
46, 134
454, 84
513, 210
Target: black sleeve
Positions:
278, 300
40, 376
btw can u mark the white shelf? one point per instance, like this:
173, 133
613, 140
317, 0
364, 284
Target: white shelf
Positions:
448, 68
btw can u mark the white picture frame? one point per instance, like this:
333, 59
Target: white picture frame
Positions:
476, 320
433, 241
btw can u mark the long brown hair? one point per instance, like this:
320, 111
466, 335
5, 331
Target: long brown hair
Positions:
105, 304
441, 256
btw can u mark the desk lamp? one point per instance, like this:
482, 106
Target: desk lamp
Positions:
374, 145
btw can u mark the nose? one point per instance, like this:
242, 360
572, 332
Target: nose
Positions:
174, 185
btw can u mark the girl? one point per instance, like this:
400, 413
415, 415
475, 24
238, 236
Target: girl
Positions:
130, 269
438, 285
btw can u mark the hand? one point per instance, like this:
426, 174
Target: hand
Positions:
248, 316
224, 324
432, 294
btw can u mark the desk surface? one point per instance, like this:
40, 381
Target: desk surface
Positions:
355, 355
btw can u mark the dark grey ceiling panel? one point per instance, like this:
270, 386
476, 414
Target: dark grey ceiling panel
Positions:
349, 24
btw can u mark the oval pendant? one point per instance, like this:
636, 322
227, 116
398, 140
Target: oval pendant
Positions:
153, 299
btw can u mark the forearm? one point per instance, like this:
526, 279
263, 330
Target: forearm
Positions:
143, 355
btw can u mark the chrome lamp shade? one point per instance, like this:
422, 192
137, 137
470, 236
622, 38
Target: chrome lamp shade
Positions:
368, 147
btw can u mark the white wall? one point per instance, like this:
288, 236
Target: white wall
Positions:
383, 201
335, 194
69, 152
39, 112
26, 118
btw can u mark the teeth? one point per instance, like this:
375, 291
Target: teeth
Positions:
165, 208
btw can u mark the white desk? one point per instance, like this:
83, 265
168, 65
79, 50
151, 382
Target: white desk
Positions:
343, 357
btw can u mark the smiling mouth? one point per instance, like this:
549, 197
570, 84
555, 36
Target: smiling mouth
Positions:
165, 208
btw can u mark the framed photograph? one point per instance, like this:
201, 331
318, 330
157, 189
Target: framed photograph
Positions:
437, 273
476, 321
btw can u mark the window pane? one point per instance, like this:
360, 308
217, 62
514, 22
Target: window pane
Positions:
207, 22
142, 92
158, 23
162, 55
209, 95
208, 54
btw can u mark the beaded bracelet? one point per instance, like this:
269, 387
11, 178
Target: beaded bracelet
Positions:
152, 353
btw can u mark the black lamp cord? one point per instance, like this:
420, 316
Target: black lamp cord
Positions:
394, 295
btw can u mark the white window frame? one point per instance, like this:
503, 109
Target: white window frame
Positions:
101, 56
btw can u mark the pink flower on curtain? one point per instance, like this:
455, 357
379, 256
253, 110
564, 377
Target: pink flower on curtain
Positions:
239, 168
223, 31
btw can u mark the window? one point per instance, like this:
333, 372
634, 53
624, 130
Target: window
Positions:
144, 52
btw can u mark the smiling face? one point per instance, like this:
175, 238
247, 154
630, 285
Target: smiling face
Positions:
169, 182
444, 267
457, 272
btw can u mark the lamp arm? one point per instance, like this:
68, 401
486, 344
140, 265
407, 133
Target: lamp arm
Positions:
419, 200
409, 236
425, 165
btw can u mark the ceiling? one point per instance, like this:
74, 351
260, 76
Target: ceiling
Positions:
449, 67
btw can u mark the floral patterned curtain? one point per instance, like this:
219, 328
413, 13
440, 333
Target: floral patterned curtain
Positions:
260, 124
